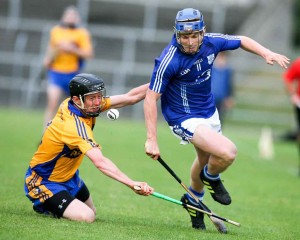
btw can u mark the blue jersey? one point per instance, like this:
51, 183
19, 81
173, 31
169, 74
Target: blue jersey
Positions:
185, 80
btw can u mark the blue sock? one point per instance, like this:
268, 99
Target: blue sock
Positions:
197, 194
210, 176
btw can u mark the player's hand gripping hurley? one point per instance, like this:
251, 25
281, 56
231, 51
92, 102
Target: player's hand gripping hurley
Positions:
205, 210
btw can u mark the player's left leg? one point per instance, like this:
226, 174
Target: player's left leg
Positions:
222, 150
54, 94
222, 153
63, 204
77, 208
79, 211
84, 196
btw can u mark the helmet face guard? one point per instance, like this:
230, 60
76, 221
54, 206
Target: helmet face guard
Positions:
83, 85
189, 21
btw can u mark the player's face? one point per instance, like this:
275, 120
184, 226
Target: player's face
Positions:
71, 17
93, 102
190, 42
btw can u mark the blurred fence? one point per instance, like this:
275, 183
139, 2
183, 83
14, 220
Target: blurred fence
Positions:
129, 34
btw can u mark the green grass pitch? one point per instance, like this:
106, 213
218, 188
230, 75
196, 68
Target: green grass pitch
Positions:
265, 193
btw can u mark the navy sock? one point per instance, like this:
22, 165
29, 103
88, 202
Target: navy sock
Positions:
210, 176
197, 194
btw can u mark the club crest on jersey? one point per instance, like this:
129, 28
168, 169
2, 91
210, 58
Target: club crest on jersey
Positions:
75, 153
36, 191
211, 58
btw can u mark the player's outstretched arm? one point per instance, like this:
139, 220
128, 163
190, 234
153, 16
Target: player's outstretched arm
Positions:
252, 46
132, 97
49, 56
107, 167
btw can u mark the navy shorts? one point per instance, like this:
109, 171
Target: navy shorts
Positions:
39, 191
61, 80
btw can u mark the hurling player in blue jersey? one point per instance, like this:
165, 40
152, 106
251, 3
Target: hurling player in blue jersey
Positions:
182, 78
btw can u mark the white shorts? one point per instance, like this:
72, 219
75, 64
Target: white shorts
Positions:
186, 129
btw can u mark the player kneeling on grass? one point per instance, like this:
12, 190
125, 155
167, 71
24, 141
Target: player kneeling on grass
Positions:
52, 181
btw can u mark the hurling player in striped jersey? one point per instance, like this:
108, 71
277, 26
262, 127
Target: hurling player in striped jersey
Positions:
52, 181
182, 79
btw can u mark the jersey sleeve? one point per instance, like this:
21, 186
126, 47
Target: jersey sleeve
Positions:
85, 40
224, 42
163, 70
52, 36
107, 104
293, 72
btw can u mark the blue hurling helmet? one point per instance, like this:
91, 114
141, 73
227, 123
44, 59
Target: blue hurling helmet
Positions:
189, 20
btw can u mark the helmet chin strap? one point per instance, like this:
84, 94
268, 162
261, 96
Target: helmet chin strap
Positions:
81, 101
81, 106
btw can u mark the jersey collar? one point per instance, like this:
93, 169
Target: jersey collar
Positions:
74, 109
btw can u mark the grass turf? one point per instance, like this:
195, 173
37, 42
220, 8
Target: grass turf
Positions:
265, 193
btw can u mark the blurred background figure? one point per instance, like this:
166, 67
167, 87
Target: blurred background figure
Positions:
69, 46
222, 85
266, 144
292, 83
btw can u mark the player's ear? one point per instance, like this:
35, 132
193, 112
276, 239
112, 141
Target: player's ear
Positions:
76, 99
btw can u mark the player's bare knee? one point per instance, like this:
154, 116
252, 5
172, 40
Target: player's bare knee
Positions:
94, 210
88, 216
91, 218
231, 154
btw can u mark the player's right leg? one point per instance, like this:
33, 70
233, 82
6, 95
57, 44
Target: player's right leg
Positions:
54, 94
198, 165
90, 204
82, 208
84, 196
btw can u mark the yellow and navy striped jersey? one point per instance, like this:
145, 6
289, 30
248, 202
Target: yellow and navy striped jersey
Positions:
68, 62
65, 141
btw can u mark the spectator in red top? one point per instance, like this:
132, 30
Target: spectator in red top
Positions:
292, 82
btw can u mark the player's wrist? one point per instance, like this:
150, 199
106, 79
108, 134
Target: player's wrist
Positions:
151, 139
